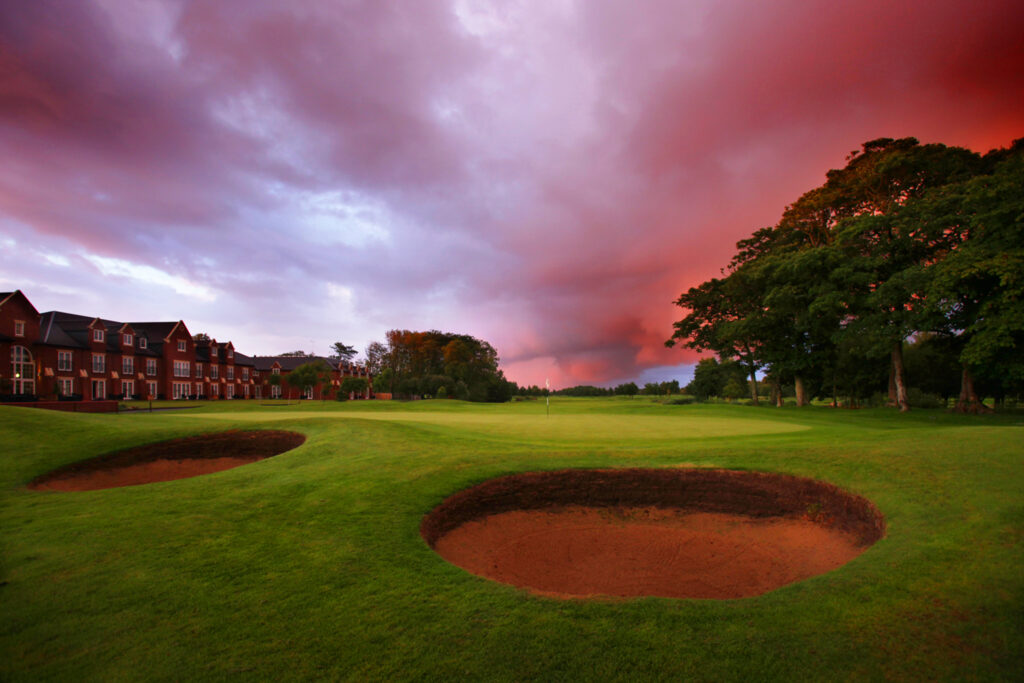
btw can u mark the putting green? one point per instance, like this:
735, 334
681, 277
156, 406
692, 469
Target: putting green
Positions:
572, 427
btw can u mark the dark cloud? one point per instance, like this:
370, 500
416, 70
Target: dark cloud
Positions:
548, 176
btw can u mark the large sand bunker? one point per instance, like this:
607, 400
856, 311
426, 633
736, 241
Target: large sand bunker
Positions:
680, 533
167, 460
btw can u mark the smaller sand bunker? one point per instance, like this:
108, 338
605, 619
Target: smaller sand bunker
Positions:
168, 460
679, 533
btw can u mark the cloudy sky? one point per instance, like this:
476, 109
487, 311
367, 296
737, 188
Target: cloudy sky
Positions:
545, 175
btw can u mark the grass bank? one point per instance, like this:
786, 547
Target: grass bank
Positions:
310, 564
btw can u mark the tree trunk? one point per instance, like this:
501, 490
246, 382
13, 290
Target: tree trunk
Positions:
900, 377
753, 386
801, 392
892, 402
968, 401
776, 395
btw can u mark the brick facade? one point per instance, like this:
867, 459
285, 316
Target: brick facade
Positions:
56, 355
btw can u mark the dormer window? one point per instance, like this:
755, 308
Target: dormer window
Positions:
231, 353
128, 340
181, 344
142, 342
19, 328
97, 335
277, 371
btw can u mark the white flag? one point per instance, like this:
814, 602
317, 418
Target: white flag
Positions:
547, 383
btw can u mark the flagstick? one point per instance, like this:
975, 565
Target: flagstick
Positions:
547, 397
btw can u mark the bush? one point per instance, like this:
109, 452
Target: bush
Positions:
441, 392
921, 399
682, 401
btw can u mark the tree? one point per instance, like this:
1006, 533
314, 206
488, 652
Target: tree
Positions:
343, 352
628, 389
200, 337
296, 354
352, 386
309, 375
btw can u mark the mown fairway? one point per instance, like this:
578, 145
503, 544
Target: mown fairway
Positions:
310, 564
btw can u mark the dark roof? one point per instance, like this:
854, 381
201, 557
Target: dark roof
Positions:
289, 363
242, 359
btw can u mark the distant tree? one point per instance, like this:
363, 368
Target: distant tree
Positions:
342, 351
352, 386
200, 337
733, 389
309, 375
296, 354
628, 389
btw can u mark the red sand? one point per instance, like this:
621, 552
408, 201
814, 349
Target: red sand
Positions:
578, 551
169, 460
140, 473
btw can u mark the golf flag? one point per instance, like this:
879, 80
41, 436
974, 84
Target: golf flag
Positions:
547, 397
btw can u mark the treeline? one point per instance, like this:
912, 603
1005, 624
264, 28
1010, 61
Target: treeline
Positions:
437, 364
627, 389
906, 242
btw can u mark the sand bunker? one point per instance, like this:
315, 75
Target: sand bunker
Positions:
167, 460
680, 533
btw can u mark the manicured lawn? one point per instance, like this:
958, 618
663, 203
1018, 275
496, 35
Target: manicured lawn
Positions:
310, 564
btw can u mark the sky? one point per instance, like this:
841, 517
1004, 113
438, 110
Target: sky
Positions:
547, 175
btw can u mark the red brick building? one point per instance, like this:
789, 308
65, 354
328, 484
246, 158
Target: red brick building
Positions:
65, 355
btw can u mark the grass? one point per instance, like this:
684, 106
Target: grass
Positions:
310, 564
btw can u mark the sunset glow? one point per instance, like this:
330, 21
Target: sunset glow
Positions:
547, 176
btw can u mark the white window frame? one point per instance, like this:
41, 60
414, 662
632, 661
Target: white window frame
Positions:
99, 363
214, 371
65, 361
151, 389
245, 374
67, 385
275, 391
127, 365
19, 328
127, 388
214, 390
151, 367
181, 344
128, 339
231, 373
97, 335
199, 370
231, 353
142, 342
182, 369
101, 384
229, 391
199, 390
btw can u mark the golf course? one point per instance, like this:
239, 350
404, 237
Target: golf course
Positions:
311, 563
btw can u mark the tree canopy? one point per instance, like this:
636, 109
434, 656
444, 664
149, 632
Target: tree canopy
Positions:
420, 363
905, 240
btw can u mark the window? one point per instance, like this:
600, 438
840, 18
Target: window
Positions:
128, 340
97, 335
229, 392
19, 328
23, 370
142, 342
99, 389
214, 371
199, 370
127, 389
308, 393
65, 386
245, 374
231, 353
199, 389
275, 392
151, 389
179, 389
231, 372
127, 365
277, 371
259, 391
245, 390
181, 368
214, 390
99, 363
181, 344
151, 366
64, 361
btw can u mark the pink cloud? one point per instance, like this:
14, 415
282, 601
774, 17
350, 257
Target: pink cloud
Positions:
549, 177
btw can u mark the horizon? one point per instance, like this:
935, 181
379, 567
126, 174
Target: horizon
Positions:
547, 177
